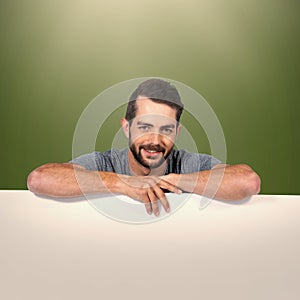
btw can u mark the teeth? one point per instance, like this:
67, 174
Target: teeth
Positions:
151, 151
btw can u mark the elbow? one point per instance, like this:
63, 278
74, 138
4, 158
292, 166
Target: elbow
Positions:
252, 183
34, 181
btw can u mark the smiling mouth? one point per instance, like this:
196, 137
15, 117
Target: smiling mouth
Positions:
152, 151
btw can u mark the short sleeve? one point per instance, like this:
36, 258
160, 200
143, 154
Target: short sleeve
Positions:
196, 162
90, 161
207, 162
113, 160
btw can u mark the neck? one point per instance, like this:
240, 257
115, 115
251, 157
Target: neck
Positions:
137, 169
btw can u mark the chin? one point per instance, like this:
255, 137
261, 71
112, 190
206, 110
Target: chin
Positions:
154, 164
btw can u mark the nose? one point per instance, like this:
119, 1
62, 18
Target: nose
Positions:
155, 138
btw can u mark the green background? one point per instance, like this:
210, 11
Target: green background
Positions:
241, 56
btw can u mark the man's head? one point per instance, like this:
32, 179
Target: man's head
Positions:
152, 122
158, 91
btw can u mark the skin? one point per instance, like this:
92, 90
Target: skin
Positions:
151, 136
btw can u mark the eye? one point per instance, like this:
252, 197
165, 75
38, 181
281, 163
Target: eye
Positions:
167, 131
144, 128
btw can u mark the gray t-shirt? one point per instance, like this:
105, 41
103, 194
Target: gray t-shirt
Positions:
114, 160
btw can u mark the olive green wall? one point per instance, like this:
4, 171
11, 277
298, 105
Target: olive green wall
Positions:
242, 56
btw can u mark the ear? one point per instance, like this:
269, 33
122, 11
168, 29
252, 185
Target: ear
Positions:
125, 126
178, 129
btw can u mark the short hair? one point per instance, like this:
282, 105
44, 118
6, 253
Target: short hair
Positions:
157, 90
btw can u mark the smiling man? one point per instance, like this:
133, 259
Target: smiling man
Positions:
151, 136
150, 166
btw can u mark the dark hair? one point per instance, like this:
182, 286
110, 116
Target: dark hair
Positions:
158, 91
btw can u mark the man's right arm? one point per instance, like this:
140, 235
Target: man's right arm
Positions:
71, 180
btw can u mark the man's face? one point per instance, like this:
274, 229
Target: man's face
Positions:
152, 133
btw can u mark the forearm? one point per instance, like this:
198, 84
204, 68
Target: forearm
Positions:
67, 180
224, 183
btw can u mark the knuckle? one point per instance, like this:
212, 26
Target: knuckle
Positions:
146, 185
152, 181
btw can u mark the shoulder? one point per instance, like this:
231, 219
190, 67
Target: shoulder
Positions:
112, 153
111, 160
88, 160
186, 155
193, 162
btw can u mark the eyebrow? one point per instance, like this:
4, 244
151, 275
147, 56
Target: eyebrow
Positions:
151, 125
144, 123
168, 126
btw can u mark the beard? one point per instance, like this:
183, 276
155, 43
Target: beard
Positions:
155, 163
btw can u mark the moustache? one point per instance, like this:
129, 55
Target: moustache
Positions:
151, 147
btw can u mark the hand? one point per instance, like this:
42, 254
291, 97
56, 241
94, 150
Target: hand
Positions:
183, 182
148, 189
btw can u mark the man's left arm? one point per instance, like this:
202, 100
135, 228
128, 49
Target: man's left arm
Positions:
223, 182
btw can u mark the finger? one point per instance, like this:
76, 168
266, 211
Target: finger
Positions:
162, 197
144, 199
169, 186
154, 202
148, 205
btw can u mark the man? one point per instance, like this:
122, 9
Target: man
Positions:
151, 166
